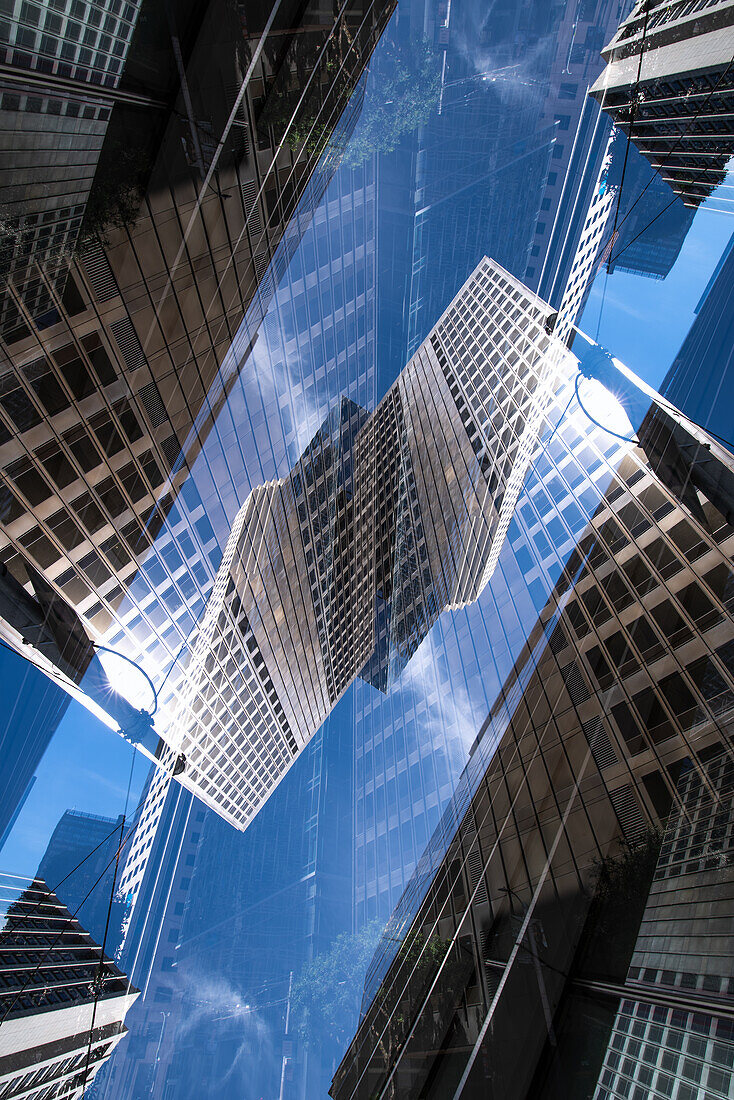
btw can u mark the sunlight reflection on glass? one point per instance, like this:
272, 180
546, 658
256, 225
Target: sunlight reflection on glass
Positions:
602, 406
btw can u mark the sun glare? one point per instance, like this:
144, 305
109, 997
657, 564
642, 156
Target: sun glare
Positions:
605, 408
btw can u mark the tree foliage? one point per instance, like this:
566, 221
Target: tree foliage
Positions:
326, 998
403, 90
622, 889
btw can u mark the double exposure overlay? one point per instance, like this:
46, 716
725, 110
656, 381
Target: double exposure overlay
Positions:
366, 538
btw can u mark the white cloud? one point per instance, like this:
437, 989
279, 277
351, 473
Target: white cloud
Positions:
214, 1003
449, 713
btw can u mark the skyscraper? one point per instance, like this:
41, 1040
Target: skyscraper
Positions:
81, 855
581, 135
63, 1002
61, 75
669, 84
29, 722
624, 686
285, 892
341, 568
651, 230
679, 986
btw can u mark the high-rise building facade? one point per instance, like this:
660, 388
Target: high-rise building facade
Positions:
285, 894
680, 982
619, 705
668, 84
108, 397
63, 1002
28, 725
62, 68
341, 568
580, 140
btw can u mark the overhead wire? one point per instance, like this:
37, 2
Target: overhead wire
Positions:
679, 138
624, 438
130, 661
54, 889
70, 920
98, 981
633, 113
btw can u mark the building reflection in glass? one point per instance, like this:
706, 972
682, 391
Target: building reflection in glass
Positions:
342, 568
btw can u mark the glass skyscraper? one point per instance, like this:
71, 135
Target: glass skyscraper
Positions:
418, 601
622, 689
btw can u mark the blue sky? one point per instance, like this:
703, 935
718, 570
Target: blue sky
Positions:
86, 767
644, 321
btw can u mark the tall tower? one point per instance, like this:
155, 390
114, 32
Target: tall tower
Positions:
702, 372
107, 396
341, 568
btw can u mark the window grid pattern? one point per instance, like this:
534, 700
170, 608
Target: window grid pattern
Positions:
81, 41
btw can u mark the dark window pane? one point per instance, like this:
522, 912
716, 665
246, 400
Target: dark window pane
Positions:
679, 698
663, 558
78, 378
599, 667
20, 409
66, 531
653, 715
721, 581
89, 513
116, 552
56, 464
639, 575
107, 434
133, 482
40, 547
100, 359
10, 507
49, 392
29, 481
620, 653
152, 470
111, 496
94, 568
83, 449
633, 518
135, 537
697, 604
617, 591
628, 728
129, 422
73, 586
670, 622
687, 540
645, 638
595, 605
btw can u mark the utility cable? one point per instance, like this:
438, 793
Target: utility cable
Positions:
633, 113
624, 438
54, 889
130, 661
558, 422
683, 133
656, 173
652, 221
98, 981
66, 924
